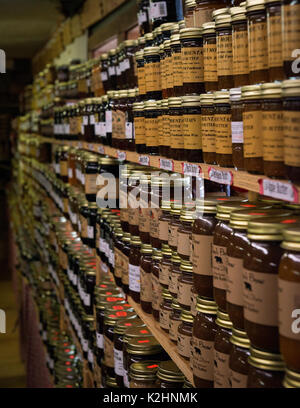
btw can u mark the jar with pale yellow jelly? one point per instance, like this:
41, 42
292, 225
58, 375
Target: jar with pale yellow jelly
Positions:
191, 128
222, 127
238, 359
208, 128
290, 36
222, 348
210, 57
224, 51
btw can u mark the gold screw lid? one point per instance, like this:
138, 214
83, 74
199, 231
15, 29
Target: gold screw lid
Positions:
186, 316
151, 51
150, 105
144, 371
270, 228
135, 240
187, 215
223, 20
224, 209
168, 371
144, 346
221, 97
209, 205
207, 99
146, 249
239, 338
251, 92
138, 106
237, 13
191, 32
175, 39
223, 320
123, 325
136, 332
252, 5
193, 100
264, 360
208, 28
220, 11
291, 238
166, 294
174, 102
291, 87
239, 219
291, 379
186, 266
166, 250
157, 255
207, 306
167, 26
271, 90
175, 258
175, 305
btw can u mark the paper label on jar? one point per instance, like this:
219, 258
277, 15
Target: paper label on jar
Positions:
151, 131
134, 278
289, 309
210, 62
90, 231
144, 219
128, 130
177, 69
238, 380
291, 131
240, 56
163, 230
258, 46
291, 33
164, 273
253, 144
272, 127
141, 80
260, 292
124, 214
125, 274
219, 266
119, 361
172, 237
223, 133
156, 292
155, 213
170, 73
139, 130
146, 286
183, 243
166, 130
224, 55
203, 359
173, 329
118, 263
275, 58
158, 9
142, 17
173, 282
221, 370
237, 132
184, 345
108, 121
63, 168
152, 77
208, 133
191, 129
104, 76
234, 292
192, 64
133, 216
91, 184
202, 254
184, 295
202, 16
164, 318
176, 125
108, 352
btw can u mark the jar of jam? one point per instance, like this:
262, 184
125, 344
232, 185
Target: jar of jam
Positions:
165, 267
112, 72
222, 348
146, 281
134, 268
104, 72
260, 280
156, 287
210, 56
140, 64
208, 128
174, 225
252, 123
272, 130
222, 128
152, 73
143, 374
237, 129
192, 60
238, 359
163, 71
190, 6
176, 141
184, 233
125, 262
175, 320
266, 370
108, 116
240, 57
165, 310
175, 273
164, 220
224, 51
184, 340
168, 69
291, 379
290, 37
204, 331
191, 129
185, 283
151, 127
118, 245
204, 10
139, 127
177, 65
164, 143
258, 41
288, 290
291, 107
169, 375
91, 225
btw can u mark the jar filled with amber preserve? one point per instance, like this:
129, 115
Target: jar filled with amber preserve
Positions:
210, 57
152, 73
169, 375
222, 127
224, 51
240, 57
176, 141
238, 359
185, 330
290, 36
222, 348
266, 370
177, 64
175, 320
143, 374
146, 281
191, 129
291, 128
185, 283
151, 127
291, 379
237, 129
156, 287
204, 331
208, 128
288, 292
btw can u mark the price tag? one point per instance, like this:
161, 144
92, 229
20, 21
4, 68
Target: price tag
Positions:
220, 176
144, 160
101, 150
166, 164
189, 169
278, 189
121, 155
90, 146
80, 145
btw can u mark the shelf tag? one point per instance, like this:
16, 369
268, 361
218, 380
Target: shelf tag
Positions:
101, 150
278, 189
80, 145
166, 164
90, 146
121, 155
189, 169
144, 160
220, 176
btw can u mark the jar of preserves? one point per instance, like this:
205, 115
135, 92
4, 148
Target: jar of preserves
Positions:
108, 116
112, 71
208, 128
164, 220
165, 310
185, 283
240, 57
258, 41
134, 268
192, 60
156, 287
143, 374
143, 16
274, 25
104, 72
224, 51
175, 273
177, 65
125, 262
118, 245
146, 281
291, 107
128, 64
237, 130
204, 331
272, 130
169, 375
222, 348
175, 320
191, 129
210, 56
266, 370
238, 359
260, 280
184, 233
63, 163
288, 290
290, 36
139, 127
163, 72
164, 143
252, 123
291, 379
184, 340
174, 225
151, 127
176, 142
140, 64
91, 225
190, 6
152, 72
168, 69
129, 141
222, 128
165, 267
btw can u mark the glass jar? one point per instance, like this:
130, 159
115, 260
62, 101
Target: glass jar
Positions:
125, 262
112, 71
237, 130
185, 283
252, 123
190, 6
184, 233
266, 370
290, 36
91, 225
144, 208
63, 163
238, 359
168, 69
175, 320
169, 375
291, 107
164, 221
143, 374
140, 63
118, 245
104, 72
177, 65
128, 65
146, 281
222, 127
174, 225
184, 340
210, 57
224, 51
156, 287
258, 41
139, 127
192, 60
152, 73
272, 130
108, 116
174, 274
204, 10
208, 128
191, 129
165, 266
240, 57
143, 16
151, 127
291, 379
204, 331
176, 142
222, 348
90, 177
134, 268
164, 12
165, 310
164, 143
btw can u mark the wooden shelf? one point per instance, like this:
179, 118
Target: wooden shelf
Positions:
277, 189
163, 338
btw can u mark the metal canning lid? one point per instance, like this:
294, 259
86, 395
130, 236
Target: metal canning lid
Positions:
175, 258
166, 250
156, 254
190, 3
186, 266
111, 318
239, 219
291, 238
187, 215
224, 209
165, 104
138, 106
144, 346
271, 90
193, 100
221, 97
146, 249
187, 316
291, 87
132, 93
209, 205
266, 361
88, 318
168, 371
205, 305
270, 228
129, 43
252, 5
144, 371
148, 36
150, 105
141, 40
151, 51
207, 99
220, 11
223, 319
102, 303
136, 332
104, 56
175, 39
111, 94
167, 44
208, 28
272, 201
223, 20
237, 13
123, 93
175, 305
166, 294
135, 240
192, 32
126, 237
239, 338
174, 102
166, 26
291, 379
112, 52
139, 55
251, 91
126, 324
235, 94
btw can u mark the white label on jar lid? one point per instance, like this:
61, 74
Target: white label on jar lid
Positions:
118, 358
158, 9
99, 340
128, 130
134, 278
90, 231
237, 132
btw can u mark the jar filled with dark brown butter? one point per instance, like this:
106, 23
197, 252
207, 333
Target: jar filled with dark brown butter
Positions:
140, 66
175, 320
177, 65
143, 374
169, 375
238, 359
222, 348
125, 262
240, 57
174, 225
185, 330
165, 266
184, 233
134, 268
146, 281
164, 142
222, 127
224, 51
290, 36
151, 127
164, 221
165, 310
156, 287
175, 273
168, 69
237, 130
176, 142
185, 283
191, 128
139, 127
144, 210
210, 57
208, 128
152, 73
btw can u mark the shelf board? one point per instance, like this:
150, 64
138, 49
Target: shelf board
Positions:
163, 338
277, 189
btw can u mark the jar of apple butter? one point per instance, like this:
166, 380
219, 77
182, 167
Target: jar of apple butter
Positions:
175, 273
240, 57
165, 266
174, 225
224, 51
222, 348
165, 140
185, 331
151, 127
146, 282
191, 129
125, 262
184, 233
156, 287
274, 25
175, 320
143, 374
204, 331
165, 310
140, 64
168, 69
152, 73
185, 283
164, 221
169, 375
208, 128
291, 379
238, 359
290, 36
210, 57
222, 128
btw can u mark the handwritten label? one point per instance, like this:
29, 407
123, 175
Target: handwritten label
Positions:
144, 160
278, 189
190, 169
220, 176
166, 164
121, 155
